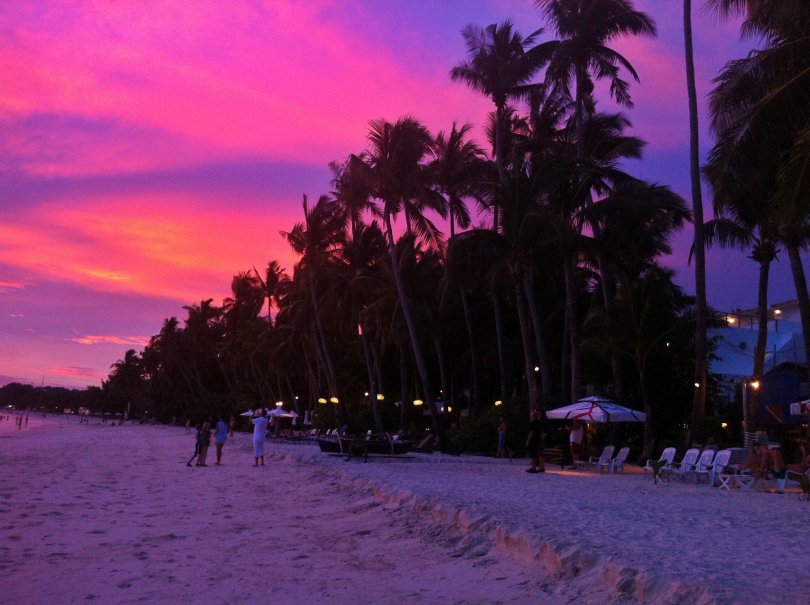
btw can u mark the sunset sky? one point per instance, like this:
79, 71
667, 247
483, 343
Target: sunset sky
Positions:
151, 150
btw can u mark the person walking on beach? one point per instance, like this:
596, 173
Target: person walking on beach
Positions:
188, 426
259, 435
205, 443
197, 444
220, 437
534, 443
502, 451
231, 426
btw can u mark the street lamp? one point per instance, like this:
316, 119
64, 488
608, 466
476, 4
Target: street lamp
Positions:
334, 400
321, 400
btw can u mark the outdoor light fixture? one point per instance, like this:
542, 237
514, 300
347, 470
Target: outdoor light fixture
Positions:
755, 384
449, 409
499, 402
536, 368
418, 402
365, 394
697, 385
777, 311
334, 400
724, 425
279, 404
321, 400
730, 320
380, 396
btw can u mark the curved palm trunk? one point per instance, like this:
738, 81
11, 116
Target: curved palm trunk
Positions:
405, 392
649, 434
762, 339
496, 307
701, 313
543, 360
372, 382
437, 343
499, 165
413, 332
525, 333
468, 323
573, 329
608, 295
800, 281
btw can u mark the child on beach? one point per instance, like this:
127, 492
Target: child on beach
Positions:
197, 444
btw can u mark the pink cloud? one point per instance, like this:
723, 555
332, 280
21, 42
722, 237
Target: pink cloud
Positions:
277, 80
170, 245
138, 341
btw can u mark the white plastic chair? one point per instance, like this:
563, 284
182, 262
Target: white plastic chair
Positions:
667, 456
721, 462
603, 460
686, 464
790, 475
618, 462
704, 463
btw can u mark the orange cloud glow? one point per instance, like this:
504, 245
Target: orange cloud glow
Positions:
137, 341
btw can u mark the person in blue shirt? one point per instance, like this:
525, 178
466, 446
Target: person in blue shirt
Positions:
220, 437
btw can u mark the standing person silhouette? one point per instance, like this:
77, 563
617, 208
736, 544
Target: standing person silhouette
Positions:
534, 443
502, 431
259, 435
220, 437
205, 442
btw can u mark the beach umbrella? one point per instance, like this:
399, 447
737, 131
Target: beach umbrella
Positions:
800, 407
278, 413
596, 409
248, 413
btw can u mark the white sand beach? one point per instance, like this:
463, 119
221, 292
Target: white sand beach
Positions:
113, 515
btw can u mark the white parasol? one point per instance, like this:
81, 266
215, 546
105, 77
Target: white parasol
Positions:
596, 409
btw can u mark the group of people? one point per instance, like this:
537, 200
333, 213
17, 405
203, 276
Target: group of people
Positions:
535, 440
203, 442
220, 435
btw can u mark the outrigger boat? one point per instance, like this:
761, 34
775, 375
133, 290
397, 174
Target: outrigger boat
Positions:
380, 444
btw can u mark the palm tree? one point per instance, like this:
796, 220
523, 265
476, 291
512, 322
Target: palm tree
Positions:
744, 225
761, 112
581, 55
458, 169
316, 240
501, 64
698, 245
399, 180
650, 309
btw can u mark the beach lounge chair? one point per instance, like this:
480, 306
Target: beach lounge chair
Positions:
802, 479
717, 467
686, 464
603, 460
704, 463
667, 456
618, 462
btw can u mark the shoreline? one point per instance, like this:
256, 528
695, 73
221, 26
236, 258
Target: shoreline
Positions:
86, 517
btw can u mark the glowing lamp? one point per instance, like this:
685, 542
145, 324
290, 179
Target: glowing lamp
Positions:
418, 402
321, 400
334, 400
499, 402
